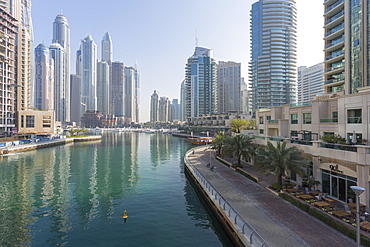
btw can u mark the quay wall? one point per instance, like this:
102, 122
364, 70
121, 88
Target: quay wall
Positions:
38, 145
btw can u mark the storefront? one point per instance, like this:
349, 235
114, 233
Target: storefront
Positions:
336, 181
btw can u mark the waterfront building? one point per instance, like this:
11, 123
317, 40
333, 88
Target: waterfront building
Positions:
103, 92
175, 110
200, 84
75, 98
60, 87
273, 53
154, 107
117, 86
61, 36
310, 82
229, 87
131, 94
31, 121
107, 48
8, 31
88, 74
44, 81
164, 107
182, 101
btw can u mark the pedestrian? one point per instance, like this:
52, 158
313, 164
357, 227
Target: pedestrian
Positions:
193, 151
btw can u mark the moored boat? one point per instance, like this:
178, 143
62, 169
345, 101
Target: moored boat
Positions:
200, 140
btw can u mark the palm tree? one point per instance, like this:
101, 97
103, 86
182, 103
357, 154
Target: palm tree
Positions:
239, 146
238, 124
218, 141
280, 160
251, 124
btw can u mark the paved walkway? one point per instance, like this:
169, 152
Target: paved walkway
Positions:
277, 221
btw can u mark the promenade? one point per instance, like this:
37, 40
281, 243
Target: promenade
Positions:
277, 221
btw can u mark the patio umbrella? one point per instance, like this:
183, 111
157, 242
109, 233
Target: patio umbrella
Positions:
354, 139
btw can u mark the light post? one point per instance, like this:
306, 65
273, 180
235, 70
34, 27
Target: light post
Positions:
358, 191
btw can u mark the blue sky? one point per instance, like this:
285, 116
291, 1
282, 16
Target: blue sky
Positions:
160, 34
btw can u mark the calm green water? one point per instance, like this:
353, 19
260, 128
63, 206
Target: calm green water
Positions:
75, 195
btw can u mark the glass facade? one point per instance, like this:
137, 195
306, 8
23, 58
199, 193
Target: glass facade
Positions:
338, 185
356, 46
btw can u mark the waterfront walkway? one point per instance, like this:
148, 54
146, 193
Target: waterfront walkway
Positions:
277, 221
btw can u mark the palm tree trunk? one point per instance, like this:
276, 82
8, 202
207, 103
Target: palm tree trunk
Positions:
280, 179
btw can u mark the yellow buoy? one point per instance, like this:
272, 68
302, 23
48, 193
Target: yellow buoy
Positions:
125, 215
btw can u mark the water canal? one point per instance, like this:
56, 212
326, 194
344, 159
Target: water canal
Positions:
75, 195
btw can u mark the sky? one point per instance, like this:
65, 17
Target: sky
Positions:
161, 35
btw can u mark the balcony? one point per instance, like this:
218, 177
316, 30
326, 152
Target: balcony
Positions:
300, 104
273, 121
354, 120
329, 120
333, 6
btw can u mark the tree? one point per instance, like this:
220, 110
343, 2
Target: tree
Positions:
280, 159
72, 131
238, 124
239, 146
218, 141
251, 124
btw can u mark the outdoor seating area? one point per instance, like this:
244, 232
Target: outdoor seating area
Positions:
345, 212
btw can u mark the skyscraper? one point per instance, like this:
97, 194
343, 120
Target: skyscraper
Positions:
44, 81
154, 107
107, 48
346, 27
61, 35
175, 110
103, 91
164, 107
8, 29
131, 93
273, 53
200, 84
310, 82
88, 74
60, 86
117, 86
229, 87
182, 101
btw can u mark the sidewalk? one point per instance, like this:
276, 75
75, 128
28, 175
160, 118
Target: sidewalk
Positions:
277, 221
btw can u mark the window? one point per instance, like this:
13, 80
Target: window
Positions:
306, 118
30, 121
354, 116
294, 118
294, 133
261, 120
268, 118
334, 114
262, 131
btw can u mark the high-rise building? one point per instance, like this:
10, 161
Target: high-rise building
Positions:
175, 110
103, 93
107, 48
75, 98
131, 94
273, 53
164, 107
61, 35
117, 86
154, 107
310, 82
60, 87
44, 81
346, 28
200, 84
246, 99
182, 101
8, 31
229, 87
88, 74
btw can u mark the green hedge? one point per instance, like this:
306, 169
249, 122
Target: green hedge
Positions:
222, 161
326, 219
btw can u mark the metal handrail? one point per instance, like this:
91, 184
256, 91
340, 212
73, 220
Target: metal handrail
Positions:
245, 228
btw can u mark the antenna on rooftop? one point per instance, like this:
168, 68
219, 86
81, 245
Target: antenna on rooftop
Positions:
196, 38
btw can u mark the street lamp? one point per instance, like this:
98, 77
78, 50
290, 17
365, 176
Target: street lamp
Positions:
358, 191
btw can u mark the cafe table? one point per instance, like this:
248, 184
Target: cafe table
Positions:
353, 205
315, 193
306, 197
321, 204
329, 200
365, 225
341, 213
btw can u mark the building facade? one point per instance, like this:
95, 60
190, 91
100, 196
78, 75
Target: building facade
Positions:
61, 36
103, 92
200, 84
8, 31
229, 87
273, 53
175, 110
88, 68
117, 87
44, 81
310, 82
107, 48
154, 107
60, 86
164, 108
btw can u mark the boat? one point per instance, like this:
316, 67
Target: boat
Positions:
200, 140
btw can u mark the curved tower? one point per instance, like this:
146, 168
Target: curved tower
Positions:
273, 53
61, 35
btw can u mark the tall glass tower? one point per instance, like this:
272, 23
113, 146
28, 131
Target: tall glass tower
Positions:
107, 48
273, 53
61, 36
200, 84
